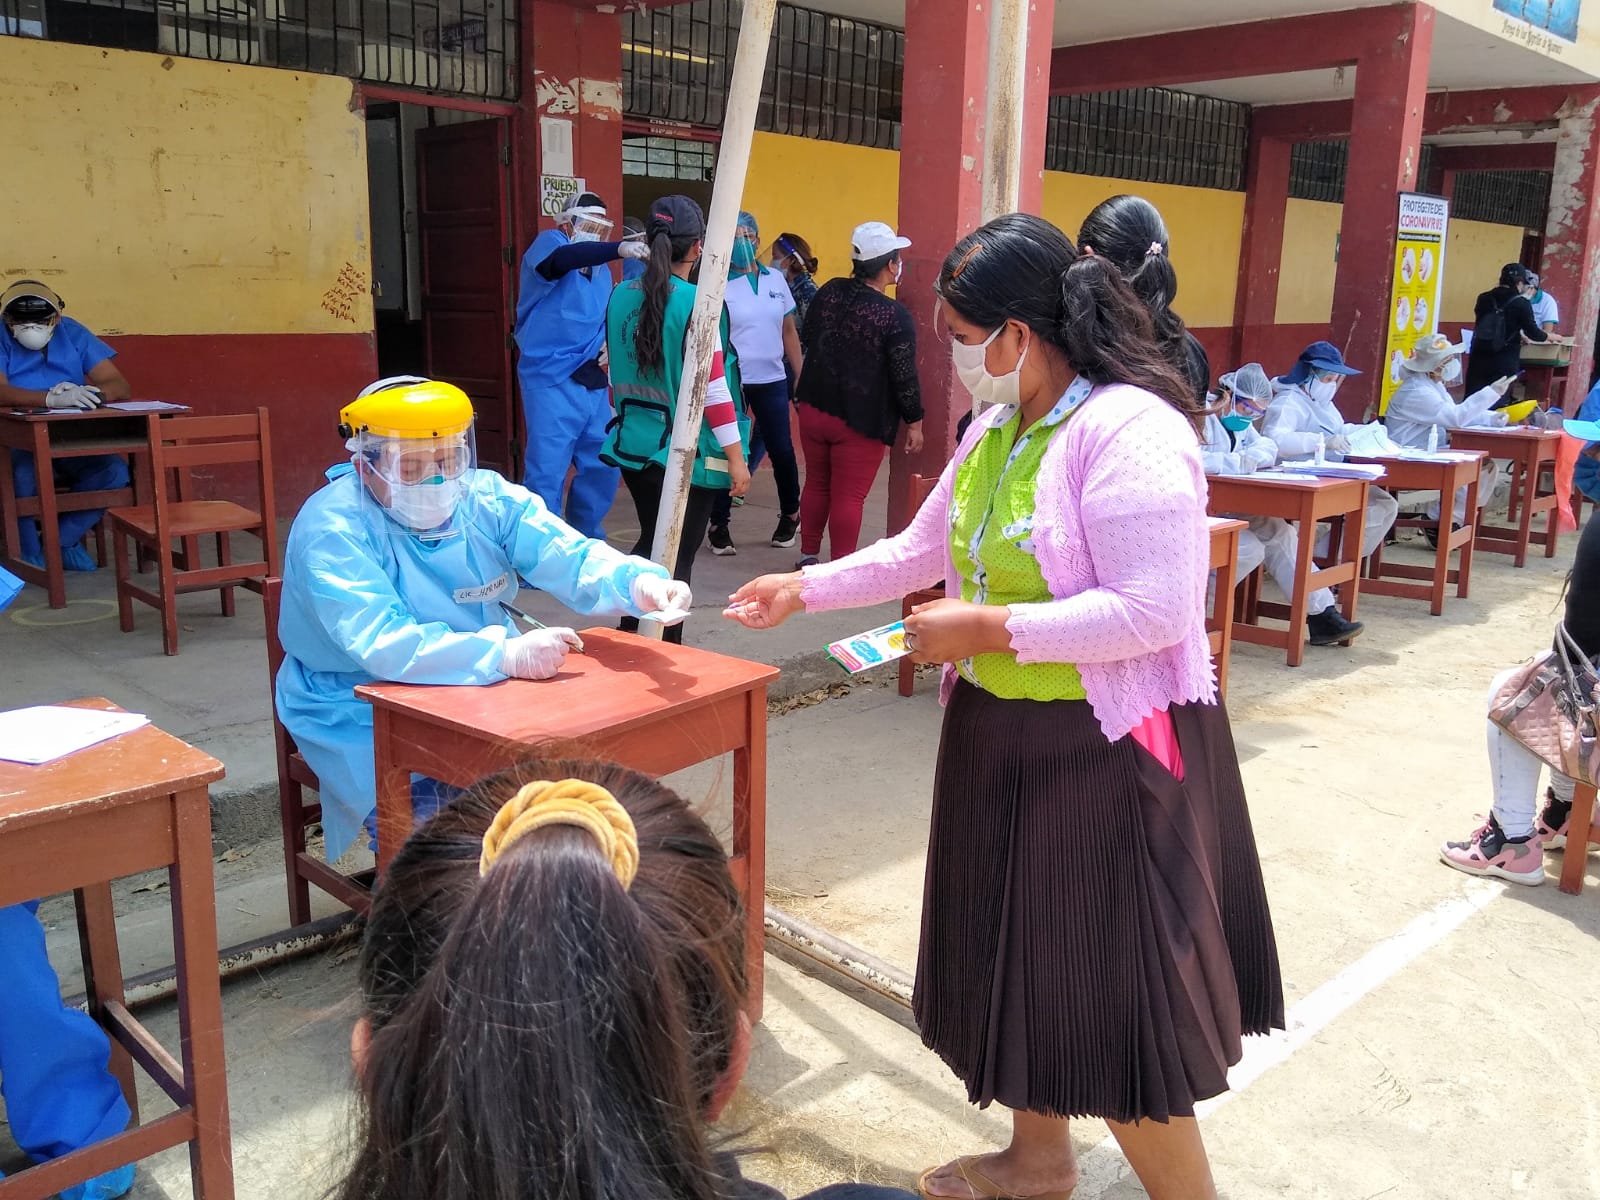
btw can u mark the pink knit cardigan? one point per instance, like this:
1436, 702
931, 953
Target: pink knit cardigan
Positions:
1121, 536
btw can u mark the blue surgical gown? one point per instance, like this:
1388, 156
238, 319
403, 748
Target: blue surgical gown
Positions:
365, 600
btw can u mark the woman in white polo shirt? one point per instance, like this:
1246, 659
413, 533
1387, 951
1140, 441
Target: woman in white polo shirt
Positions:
762, 329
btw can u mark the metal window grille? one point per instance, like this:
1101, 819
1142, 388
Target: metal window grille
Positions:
460, 47
1317, 170
1504, 197
668, 158
1155, 135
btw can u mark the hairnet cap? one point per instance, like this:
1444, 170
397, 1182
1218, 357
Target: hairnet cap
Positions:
1431, 353
1251, 382
746, 221
874, 239
407, 407
676, 216
1318, 357
30, 289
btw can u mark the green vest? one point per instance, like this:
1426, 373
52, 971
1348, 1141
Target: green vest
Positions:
645, 401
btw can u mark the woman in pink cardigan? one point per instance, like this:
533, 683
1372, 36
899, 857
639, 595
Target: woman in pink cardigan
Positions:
1095, 933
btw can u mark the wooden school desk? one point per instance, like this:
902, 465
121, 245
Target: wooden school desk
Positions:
1219, 622
134, 803
1304, 501
1446, 478
1527, 451
648, 705
49, 436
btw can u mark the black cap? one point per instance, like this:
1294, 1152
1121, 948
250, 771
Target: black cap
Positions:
676, 216
1512, 274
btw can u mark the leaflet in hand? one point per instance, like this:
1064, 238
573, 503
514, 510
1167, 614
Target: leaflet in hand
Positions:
870, 649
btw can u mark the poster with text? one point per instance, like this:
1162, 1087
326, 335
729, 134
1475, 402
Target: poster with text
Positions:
557, 192
1418, 283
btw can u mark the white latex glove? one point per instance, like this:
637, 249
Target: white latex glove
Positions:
539, 653
72, 396
654, 594
1502, 385
633, 250
1337, 444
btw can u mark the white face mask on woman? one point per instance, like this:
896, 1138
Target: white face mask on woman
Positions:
973, 372
33, 337
422, 507
1322, 389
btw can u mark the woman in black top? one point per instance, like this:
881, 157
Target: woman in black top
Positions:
1497, 346
859, 382
1512, 842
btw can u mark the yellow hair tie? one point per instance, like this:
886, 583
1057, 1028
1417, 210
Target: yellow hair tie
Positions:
588, 806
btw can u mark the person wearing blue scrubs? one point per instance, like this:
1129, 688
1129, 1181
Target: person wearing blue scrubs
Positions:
51, 361
1586, 425
59, 1094
561, 329
395, 571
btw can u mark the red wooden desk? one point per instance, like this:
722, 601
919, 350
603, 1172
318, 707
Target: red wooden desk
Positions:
49, 436
648, 705
1225, 533
1527, 450
134, 803
1446, 478
1305, 502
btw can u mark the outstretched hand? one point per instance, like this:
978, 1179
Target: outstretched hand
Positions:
767, 602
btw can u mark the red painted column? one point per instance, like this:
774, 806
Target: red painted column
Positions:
571, 71
1572, 236
1036, 104
1385, 149
1266, 202
945, 72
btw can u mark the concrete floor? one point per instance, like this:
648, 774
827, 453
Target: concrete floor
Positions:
1443, 1037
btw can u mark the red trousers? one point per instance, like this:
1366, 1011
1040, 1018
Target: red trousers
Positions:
841, 466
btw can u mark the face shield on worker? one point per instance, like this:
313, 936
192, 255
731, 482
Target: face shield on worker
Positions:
31, 312
412, 443
585, 220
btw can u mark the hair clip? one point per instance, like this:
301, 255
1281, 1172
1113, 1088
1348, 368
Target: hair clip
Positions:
1155, 248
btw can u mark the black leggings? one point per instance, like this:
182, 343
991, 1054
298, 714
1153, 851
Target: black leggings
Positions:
645, 488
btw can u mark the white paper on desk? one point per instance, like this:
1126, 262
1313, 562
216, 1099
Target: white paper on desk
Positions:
142, 406
1370, 441
47, 732
1332, 470
1270, 476
1432, 456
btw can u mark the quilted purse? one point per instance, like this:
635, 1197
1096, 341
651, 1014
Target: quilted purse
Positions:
1549, 705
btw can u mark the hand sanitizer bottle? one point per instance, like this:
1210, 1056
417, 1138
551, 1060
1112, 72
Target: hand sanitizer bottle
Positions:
1320, 456
1433, 439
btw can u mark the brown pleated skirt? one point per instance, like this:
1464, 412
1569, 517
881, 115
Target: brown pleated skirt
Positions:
1095, 934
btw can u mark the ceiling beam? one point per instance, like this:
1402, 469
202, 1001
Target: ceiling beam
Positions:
1513, 156
1502, 109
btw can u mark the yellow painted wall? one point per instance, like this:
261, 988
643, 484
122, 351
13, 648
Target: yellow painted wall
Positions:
1305, 281
822, 190
174, 196
1473, 257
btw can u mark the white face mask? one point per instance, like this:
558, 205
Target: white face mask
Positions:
1322, 389
33, 337
1452, 372
973, 372
424, 506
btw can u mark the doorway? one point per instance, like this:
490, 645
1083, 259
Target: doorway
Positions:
654, 165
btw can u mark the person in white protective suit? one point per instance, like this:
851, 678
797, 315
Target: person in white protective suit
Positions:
1303, 420
1233, 446
1422, 413
395, 571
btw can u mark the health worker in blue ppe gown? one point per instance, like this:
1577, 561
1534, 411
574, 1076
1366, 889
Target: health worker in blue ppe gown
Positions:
633, 266
561, 327
58, 1092
51, 361
395, 572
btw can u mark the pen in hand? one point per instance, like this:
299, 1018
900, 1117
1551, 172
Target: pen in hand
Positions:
516, 614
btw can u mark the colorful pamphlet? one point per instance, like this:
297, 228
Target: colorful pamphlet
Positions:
870, 649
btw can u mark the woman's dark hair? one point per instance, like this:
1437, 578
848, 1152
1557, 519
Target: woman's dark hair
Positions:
1022, 268
795, 245
542, 1031
1129, 231
873, 267
667, 246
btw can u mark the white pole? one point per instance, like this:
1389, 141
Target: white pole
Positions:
733, 160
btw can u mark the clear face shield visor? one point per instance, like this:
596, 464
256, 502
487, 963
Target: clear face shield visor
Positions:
588, 226
418, 483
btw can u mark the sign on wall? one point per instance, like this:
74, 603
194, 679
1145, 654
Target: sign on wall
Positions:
557, 193
1418, 282
1557, 17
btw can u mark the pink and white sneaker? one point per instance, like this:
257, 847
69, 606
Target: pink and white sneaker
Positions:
1489, 852
1551, 827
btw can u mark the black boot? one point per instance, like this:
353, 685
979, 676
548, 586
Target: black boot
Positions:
1329, 628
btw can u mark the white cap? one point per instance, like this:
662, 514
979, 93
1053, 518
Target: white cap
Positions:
1431, 353
874, 239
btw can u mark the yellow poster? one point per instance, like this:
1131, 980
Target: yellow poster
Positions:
1418, 281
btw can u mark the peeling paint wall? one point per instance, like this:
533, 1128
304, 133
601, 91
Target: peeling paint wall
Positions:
174, 196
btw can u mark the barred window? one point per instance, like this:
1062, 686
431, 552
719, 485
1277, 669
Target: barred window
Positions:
668, 158
1155, 135
1317, 170
1503, 197
459, 47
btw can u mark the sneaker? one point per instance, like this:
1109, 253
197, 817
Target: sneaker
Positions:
1551, 827
736, 501
78, 558
808, 560
787, 531
1490, 852
1432, 534
1329, 628
721, 541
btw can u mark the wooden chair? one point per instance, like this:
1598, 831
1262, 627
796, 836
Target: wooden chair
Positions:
921, 488
178, 445
294, 775
1583, 831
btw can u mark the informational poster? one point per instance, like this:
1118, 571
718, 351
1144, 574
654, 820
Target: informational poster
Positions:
1541, 18
557, 192
1418, 281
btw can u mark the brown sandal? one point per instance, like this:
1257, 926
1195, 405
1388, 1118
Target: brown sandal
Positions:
983, 1188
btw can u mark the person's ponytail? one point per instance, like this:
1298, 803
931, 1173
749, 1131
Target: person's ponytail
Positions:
657, 286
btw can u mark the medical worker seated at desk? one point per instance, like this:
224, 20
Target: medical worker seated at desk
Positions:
395, 571
51, 361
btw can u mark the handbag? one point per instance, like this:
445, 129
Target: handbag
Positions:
1549, 704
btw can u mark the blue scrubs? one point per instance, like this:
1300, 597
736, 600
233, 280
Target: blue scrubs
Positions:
67, 357
365, 600
1586, 475
561, 325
